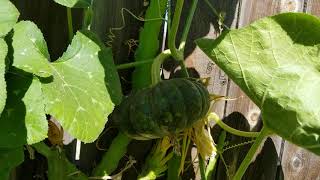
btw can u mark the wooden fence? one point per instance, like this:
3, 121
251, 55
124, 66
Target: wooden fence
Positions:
278, 159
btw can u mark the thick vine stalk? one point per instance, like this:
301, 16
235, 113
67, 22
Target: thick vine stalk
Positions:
173, 31
147, 49
112, 157
173, 168
210, 170
247, 160
70, 24
59, 167
148, 43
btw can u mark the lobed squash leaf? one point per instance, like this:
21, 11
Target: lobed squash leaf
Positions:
3, 92
10, 158
276, 62
8, 16
79, 89
83, 80
74, 3
23, 119
30, 49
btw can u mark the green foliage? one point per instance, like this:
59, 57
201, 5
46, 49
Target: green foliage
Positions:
3, 92
148, 43
30, 49
74, 3
78, 97
79, 89
168, 107
8, 16
110, 160
59, 167
276, 63
9, 158
23, 119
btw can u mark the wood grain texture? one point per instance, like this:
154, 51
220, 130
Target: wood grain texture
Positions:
299, 164
205, 24
313, 7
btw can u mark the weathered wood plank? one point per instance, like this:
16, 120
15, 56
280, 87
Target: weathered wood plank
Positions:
313, 7
254, 10
205, 24
299, 164
109, 15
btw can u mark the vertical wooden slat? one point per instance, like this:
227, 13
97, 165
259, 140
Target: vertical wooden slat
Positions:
205, 25
108, 15
299, 164
313, 7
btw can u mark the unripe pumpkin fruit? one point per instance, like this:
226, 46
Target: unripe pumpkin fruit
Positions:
164, 109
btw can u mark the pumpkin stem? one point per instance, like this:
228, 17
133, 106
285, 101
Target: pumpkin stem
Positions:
156, 65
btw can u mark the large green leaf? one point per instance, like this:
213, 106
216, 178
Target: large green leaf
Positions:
8, 16
30, 49
276, 62
3, 92
74, 3
10, 158
23, 119
79, 96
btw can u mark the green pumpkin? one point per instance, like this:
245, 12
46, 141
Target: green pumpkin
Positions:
164, 109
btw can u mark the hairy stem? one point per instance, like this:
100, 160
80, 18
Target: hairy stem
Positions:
70, 24
187, 25
87, 17
247, 160
148, 43
173, 167
141, 77
111, 159
59, 167
177, 54
230, 129
213, 160
173, 31
42, 148
155, 69
202, 167
133, 64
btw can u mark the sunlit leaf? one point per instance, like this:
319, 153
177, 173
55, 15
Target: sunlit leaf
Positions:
30, 49
74, 3
276, 62
8, 16
79, 96
23, 119
3, 92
